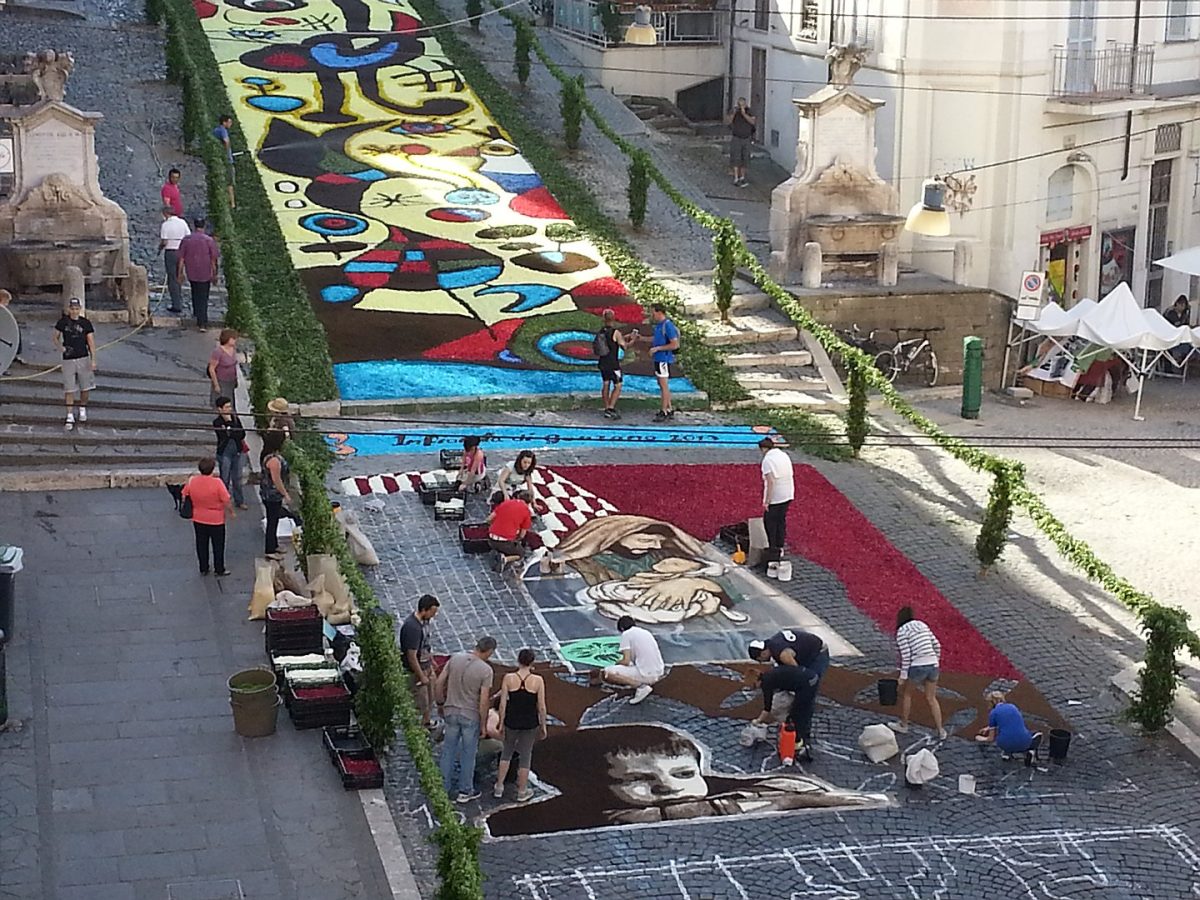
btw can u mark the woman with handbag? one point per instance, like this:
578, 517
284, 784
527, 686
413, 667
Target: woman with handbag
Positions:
208, 499
272, 488
231, 444
223, 366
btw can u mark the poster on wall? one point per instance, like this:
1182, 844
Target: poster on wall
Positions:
1116, 259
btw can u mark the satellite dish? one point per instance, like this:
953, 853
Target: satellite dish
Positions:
10, 338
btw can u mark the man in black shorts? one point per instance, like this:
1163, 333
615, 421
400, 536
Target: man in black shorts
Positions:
610, 339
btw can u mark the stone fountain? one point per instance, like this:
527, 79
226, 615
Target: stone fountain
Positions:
835, 217
53, 215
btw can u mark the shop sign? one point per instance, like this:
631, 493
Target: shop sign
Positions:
1058, 236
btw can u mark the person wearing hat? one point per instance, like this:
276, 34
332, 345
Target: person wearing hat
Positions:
280, 419
74, 334
608, 344
792, 647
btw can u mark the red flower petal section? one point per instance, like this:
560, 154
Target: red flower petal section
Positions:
537, 204
204, 9
823, 527
477, 347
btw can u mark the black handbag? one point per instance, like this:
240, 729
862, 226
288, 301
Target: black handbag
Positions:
185, 508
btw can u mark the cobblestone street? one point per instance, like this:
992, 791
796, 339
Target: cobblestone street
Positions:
1111, 822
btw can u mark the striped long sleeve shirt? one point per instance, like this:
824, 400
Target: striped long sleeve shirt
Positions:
918, 646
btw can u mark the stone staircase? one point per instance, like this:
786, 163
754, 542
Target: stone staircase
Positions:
660, 114
777, 364
149, 419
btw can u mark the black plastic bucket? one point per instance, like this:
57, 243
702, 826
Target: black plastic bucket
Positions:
889, 691
1060, 740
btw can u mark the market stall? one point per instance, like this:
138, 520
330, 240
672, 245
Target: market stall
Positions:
1140, 338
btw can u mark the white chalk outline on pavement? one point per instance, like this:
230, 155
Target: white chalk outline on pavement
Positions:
1037, 850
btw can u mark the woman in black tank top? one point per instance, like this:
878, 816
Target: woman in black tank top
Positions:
522, 720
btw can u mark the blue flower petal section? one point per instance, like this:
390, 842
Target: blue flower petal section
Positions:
414, 379
339, 293
531, 295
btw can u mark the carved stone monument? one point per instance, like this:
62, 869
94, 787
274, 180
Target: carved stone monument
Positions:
55, 215
835, 196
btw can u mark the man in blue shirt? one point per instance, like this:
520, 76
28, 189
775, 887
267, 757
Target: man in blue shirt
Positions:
221, 133
666, 342
1006, 729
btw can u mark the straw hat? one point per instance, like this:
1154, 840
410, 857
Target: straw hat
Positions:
279, 406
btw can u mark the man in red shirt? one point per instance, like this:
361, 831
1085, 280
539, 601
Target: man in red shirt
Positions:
170, 193
508, 524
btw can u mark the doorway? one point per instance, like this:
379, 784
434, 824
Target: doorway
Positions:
758, 90
1156, 246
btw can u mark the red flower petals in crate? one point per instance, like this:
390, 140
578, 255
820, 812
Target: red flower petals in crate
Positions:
293, 613
322, 692
360, 767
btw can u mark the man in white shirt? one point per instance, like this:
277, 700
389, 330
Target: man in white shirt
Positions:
170, 233
778, 492
641, 664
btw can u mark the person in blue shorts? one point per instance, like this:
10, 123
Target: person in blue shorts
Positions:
1006, 729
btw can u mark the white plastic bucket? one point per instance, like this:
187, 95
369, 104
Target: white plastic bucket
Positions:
966, 784
785, 571
772, 570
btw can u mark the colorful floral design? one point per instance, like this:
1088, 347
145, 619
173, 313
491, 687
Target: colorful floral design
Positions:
823, 527
438, 262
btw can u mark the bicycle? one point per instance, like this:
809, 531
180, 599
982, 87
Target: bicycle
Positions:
857, 339
914, 355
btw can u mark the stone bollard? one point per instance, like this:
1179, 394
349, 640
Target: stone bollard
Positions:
810, 265
777, 266
137, 295
73, 287
962, 262
889, 264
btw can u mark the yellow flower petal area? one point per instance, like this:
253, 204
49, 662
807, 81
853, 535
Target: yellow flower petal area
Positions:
356, 136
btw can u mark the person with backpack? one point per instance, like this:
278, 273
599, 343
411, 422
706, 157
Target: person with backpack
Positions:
608, 345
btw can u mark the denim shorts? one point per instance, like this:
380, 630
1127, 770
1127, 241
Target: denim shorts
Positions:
921, 674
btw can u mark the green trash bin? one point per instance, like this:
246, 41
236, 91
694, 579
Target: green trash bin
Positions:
972, 386
11, 562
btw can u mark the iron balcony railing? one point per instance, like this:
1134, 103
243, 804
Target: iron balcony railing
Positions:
1117, 71
581, 19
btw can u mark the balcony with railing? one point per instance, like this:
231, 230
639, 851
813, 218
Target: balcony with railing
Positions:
1113, 73
603, 24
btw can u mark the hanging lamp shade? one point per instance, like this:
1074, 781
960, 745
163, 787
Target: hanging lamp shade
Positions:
929, 217
641, 32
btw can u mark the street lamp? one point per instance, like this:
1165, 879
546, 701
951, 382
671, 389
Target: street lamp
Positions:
641, 32
929, 217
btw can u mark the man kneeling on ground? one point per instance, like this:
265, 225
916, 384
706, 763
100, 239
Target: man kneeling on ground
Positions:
641, 664
508, 524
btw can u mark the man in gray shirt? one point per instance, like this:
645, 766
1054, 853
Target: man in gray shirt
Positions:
463, 689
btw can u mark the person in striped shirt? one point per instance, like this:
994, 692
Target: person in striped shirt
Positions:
920, 655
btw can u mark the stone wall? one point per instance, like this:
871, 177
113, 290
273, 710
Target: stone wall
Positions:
958, 314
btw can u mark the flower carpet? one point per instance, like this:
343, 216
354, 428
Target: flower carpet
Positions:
433, 254
823, 527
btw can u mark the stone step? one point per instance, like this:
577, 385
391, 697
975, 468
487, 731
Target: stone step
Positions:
808, 399
13, 416
54, 434
781, 380
701, 305
768, 359
94, 475
749, 329
105, 381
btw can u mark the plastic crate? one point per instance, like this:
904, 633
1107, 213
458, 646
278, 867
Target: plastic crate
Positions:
450, 459
360, 770
474, 537
456, 514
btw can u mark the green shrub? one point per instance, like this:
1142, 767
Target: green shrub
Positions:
639, 186
474, 11
521, 51
571, 107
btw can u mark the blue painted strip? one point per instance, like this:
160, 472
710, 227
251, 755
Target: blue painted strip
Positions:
414, 379
516, 437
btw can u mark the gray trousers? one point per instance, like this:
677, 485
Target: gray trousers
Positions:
171, 260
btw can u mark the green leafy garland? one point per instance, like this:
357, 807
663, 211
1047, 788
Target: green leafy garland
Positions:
571, 107
639, 185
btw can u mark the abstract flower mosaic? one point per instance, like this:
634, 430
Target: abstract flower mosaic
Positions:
435, 257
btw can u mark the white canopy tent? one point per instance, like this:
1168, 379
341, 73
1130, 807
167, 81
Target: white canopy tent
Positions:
1185, 261
1141, 337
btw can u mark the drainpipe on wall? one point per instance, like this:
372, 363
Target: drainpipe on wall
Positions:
729, 80
1137, 31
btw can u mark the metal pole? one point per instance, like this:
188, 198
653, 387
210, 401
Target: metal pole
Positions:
1137, 406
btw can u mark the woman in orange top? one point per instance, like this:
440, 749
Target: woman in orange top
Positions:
210, 498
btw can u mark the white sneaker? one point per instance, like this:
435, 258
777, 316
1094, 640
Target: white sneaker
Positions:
641, 693
70, 423
82, 414
898, 727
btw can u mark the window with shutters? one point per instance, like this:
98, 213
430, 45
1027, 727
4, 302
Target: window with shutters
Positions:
762, 15
1178, 23
809, 10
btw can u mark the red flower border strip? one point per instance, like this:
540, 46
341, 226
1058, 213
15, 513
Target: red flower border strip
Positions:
823, 527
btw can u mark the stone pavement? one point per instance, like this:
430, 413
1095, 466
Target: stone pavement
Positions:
1114, 822
126, 780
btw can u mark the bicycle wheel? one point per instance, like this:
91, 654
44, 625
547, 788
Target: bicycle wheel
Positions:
929, 367
885, 362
